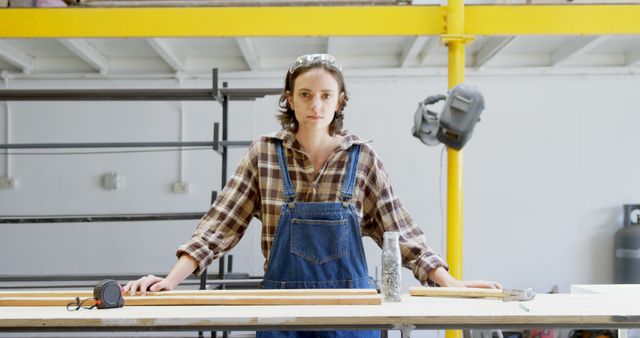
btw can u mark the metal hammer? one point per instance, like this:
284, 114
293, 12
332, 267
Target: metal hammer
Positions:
505, 294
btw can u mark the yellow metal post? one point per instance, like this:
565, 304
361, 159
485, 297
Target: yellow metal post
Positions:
455, 40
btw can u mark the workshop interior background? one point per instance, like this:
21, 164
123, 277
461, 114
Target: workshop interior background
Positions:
546, 173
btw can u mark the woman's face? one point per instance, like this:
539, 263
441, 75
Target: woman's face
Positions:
315, 99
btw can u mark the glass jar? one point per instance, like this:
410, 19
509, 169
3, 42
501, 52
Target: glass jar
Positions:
391, 265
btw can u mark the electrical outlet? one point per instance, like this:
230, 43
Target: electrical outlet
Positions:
7, 183
180, 187
112, 181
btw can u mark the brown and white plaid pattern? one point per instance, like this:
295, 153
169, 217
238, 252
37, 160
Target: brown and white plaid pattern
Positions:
255, 190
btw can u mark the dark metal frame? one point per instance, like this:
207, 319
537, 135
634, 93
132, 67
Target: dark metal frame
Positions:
8, 282
219, 144
214, 145
101, 218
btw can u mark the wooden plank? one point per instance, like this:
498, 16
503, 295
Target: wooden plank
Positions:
455, 292
253, 292
203, 300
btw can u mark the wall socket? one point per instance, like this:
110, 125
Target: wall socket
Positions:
7, 183
180, 187
112, 181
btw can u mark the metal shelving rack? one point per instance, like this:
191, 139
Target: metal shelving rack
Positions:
219, 143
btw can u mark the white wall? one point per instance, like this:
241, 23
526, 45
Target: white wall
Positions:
546, 174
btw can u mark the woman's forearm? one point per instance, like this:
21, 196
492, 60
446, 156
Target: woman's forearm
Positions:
181, 270
442, 277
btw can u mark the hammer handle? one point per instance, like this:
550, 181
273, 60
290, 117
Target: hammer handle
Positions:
455, 292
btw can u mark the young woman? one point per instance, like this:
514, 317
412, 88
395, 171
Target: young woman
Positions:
317, 190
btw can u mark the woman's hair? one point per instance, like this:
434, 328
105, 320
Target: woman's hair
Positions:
287, 116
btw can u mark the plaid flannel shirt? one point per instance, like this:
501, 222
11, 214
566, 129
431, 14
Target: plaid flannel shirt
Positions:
255, 190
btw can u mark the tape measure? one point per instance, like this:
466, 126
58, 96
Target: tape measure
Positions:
108, 294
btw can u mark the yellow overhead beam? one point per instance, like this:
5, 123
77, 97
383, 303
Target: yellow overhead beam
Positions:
221, 21
314, 21
558, 19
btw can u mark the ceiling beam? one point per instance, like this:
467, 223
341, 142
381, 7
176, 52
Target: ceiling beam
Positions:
17, 57
246, 21
411, 50
161, 47
573, 48
632, 58
351, 21
491, 49
89, 54
576, 19
422, 57
248, 53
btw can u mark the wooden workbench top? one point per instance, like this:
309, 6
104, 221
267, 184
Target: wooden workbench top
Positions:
560, 310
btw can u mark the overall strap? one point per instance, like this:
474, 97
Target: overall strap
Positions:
349, 183
289, 192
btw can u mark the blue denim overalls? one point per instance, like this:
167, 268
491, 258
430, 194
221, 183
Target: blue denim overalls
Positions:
318, 245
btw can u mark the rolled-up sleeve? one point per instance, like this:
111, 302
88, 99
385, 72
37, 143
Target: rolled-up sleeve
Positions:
225, 223
383, 212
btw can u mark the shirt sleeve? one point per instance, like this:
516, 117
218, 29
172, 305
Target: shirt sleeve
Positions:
222, 227
382, 211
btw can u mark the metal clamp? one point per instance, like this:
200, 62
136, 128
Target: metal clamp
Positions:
457, 37
405, 329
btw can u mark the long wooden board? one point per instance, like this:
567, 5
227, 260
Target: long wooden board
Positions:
254, 292
204, 300
455, 292
202, 297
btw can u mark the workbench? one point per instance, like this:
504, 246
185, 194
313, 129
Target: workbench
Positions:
628, 289
557, 310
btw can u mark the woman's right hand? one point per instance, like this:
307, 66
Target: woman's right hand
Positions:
149, 282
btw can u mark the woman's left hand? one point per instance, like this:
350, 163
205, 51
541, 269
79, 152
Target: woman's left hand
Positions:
483, 284
442, 277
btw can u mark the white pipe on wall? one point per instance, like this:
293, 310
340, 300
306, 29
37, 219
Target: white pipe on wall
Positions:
181, 139
7, 129
180, 77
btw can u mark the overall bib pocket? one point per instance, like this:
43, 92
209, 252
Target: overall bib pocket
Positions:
319, 241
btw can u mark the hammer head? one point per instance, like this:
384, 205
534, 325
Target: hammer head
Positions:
509, 295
